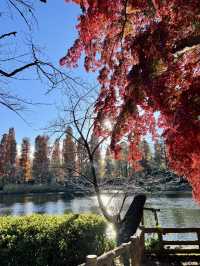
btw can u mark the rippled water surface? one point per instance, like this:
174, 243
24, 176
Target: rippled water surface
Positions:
180, 211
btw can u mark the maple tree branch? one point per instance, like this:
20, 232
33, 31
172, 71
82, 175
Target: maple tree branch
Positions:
187, 42
8, 34
17, 70
89, 130
98, 145
155, 4
125, 20
85, 117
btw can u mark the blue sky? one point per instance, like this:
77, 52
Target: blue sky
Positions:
55, 34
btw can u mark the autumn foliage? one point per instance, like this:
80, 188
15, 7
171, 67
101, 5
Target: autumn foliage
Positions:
69, 153
41, 159
8, 154
25, 162
147, 54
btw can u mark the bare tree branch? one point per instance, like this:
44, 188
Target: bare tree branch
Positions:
81, 133
187, 42
17, 70
20, 12
11, 67
8, 34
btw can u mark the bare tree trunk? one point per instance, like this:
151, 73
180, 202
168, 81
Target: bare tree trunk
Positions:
128, 226
124, 228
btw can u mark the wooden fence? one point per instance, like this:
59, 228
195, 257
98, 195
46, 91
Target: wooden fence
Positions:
132, 250
173, 246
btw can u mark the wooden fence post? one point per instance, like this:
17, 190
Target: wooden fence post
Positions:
160, 239
134, 251
198, 237
111, 259
91, 260
126, 253
142, 239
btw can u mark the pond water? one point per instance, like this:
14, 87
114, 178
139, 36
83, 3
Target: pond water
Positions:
179, 211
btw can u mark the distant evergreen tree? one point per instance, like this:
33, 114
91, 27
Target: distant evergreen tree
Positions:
69, 154
122, 165
8, 153
25, 162
12, 153
55, 164
41, 173
109, 164
18, 168
82, 157
3, 152
97, 153
160, 157
146, 155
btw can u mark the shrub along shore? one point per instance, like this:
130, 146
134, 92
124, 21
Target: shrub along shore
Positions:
23, 189
28, 188
45, 240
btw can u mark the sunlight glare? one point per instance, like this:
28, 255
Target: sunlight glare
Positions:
107, 124
110, 231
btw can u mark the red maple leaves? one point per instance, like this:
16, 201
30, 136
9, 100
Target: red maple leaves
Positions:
148, 55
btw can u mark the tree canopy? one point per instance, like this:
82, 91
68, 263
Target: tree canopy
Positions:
147, 54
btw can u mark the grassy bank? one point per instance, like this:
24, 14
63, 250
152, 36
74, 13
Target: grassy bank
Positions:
36, 188
41, 240
73, 192
42, 188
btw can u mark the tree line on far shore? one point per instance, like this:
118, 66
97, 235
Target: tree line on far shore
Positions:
66, 159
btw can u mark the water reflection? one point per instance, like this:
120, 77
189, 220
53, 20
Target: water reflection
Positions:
175, 212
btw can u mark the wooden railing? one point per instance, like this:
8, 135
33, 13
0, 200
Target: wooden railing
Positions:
185, 244
132, 250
